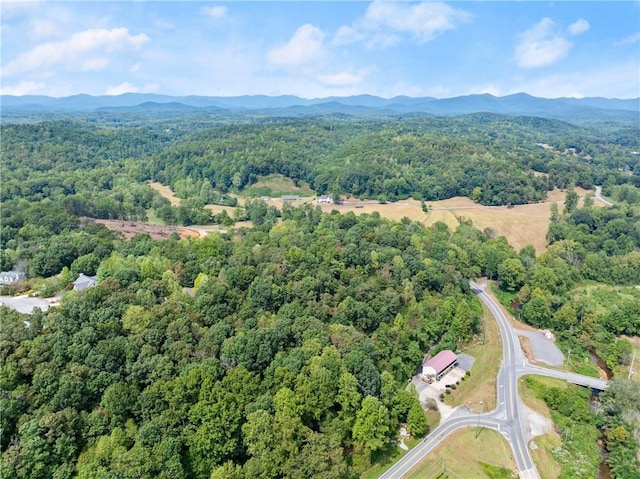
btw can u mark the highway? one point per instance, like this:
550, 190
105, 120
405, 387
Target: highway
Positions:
509, 416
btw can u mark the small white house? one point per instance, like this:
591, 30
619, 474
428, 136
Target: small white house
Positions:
83, 282
325, 199
8, 277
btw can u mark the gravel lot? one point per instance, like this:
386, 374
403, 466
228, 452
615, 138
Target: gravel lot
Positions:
24, 304
543, 349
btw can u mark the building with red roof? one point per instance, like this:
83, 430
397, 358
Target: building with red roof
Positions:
439, 365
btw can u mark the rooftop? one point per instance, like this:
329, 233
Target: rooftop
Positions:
441, 361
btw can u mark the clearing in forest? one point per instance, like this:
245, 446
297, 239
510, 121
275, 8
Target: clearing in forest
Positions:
276, 186
521, 224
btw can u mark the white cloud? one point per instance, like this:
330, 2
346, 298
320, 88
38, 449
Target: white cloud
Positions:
618, 80
218, 12
630, 40
82, 51
541, 45
384, 23
304, 47
23, 88
42, 28
94, 64
127, 87
578, 27
341, 79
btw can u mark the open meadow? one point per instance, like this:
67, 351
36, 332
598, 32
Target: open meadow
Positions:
521, 224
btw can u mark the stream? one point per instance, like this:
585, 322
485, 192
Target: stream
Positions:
603, 472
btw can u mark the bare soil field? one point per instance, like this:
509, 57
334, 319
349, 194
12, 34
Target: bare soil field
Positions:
132, 228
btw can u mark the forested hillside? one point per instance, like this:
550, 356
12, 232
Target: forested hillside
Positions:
297, 335
267, 351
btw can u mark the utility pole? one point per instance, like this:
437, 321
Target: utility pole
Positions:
568, 357
631, 367
479, 412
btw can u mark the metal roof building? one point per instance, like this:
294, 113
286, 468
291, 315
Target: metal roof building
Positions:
439, 365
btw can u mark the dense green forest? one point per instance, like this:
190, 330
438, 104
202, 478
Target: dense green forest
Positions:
66, 169
565, 289
297, 335
427, 158
266, 352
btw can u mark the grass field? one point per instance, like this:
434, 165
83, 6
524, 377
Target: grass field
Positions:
547, 466
481, 384
521, 225
166, 192
462, 454
276, 186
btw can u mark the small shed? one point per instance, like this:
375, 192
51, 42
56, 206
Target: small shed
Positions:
433, 369
83, 282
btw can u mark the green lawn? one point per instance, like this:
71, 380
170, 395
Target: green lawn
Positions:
464, 454
481, 384
276, 186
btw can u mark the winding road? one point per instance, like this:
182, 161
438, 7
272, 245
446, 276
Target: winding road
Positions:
509, 417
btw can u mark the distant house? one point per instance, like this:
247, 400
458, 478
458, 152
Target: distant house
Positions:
8, 277
83, 282
433, 369
325, 199
290, 198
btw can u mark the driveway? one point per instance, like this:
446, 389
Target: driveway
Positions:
24, 304
433, 390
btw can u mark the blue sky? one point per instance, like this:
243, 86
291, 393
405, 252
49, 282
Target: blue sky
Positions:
318, 49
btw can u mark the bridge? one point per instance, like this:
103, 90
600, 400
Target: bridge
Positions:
579, 379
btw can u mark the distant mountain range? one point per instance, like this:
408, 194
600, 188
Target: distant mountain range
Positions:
146, 103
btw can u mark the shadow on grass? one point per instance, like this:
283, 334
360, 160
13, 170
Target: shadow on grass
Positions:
373, 465
387, 455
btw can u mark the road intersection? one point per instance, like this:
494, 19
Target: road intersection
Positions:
509, 417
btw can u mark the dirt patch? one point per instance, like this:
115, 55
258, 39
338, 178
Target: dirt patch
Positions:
131, 228
538, 424
634, 340
525, 344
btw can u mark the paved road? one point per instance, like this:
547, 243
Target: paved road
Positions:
509, 417
587, 381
